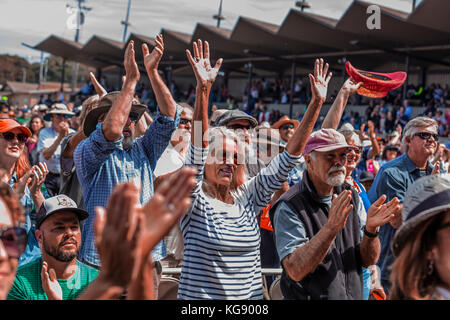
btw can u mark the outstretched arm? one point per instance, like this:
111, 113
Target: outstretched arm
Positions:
334, 115
166, 103
205, 75
319, 85
117, 117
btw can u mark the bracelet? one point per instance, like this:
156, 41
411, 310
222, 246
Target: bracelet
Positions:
370, 234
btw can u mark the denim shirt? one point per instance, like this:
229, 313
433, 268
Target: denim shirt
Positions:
393, 180
102, 164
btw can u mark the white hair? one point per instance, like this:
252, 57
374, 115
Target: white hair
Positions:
416, 123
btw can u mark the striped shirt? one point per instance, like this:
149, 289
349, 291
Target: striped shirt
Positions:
221, 241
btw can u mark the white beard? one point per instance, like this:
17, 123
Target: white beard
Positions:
335, 180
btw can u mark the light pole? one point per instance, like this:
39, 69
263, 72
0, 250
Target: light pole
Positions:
219, 16
125, 22
302, 5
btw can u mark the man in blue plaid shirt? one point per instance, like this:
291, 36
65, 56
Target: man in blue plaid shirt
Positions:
110, 155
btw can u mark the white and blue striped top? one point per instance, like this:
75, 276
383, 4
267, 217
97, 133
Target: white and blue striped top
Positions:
221, 248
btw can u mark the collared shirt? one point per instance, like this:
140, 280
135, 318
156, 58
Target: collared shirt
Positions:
102, 164
47, 136
393, 180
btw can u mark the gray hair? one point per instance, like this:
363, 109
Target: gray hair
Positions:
418, 122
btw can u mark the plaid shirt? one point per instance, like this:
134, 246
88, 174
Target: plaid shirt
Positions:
102, 164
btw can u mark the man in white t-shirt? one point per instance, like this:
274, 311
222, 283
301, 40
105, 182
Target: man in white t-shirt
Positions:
49, 145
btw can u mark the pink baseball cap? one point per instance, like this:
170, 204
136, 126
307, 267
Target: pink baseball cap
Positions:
325, 140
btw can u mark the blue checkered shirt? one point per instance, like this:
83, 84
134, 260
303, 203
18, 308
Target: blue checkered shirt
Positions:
102, 164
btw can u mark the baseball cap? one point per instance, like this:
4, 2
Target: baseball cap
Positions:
325, 140
375, 84
57, 204
9, 124
232, 115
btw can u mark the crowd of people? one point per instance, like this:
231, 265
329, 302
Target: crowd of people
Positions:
96, 201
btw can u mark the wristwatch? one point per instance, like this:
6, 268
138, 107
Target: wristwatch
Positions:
370, 234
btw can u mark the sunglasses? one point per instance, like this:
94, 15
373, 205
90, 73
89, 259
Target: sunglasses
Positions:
14, 240
287, 126
358, 151
224, 156
185, 121
9, 136
239, 126
59, 115
427, 135
134, 117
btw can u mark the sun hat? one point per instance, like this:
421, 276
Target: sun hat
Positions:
57, 204
285, 120
58, 108
9, 124
325, 140
236, 114
425, 198
375, 84
104, 105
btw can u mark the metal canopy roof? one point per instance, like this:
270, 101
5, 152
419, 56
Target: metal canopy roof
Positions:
432, 14
301, 36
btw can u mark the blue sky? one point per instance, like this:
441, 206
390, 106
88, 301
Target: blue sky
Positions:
31, 21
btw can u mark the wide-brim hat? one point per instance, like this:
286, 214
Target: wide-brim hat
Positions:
58, 108
424, 199
375, 84
104, 106
9, 124
284, 120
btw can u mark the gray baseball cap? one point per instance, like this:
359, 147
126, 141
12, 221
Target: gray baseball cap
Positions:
57, 204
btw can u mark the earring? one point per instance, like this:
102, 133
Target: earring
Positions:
430, 267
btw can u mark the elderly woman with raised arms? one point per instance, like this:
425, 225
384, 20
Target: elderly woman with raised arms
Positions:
221, 230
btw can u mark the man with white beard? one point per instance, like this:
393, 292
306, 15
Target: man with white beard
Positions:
322, 238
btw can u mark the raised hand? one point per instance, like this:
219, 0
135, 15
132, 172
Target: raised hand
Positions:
319, 82
129, 62
339, 211
50, 284
97, 86
350, 86
39, 172
436, 168
204, 73
151, 60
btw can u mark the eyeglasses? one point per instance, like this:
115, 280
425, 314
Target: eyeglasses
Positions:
185, 121
427, 135
239, 126
14, 240
358, 150
287, 126
9, 136
59, 115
